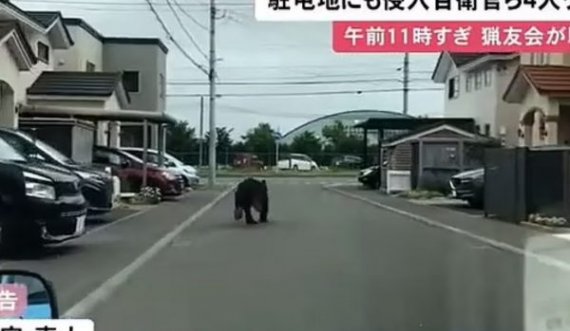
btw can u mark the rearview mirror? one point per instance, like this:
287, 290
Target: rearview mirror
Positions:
26, 295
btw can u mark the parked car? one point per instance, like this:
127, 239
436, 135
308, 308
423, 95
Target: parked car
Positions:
129, 169
347, 161
39, 202
188, 172
297, 162
469, 186
96, 184
247, 160
370, 177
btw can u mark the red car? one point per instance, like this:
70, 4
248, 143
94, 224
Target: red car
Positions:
129, 169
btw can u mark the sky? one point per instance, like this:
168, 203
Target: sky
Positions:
255, 52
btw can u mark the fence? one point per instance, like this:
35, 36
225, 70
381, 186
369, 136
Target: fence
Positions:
268, 159
522, 181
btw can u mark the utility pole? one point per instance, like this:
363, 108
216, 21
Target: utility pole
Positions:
406, 81
201, 151
212, 76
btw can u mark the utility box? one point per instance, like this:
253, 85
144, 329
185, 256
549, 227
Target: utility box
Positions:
73, 138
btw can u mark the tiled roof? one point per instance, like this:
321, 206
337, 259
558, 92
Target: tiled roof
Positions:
551, 80
75, 83
45, 18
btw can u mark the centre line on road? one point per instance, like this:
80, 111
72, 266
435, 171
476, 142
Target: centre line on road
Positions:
103, 292
427, 221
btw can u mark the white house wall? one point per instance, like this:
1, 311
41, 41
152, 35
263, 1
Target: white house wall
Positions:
149, 61
29, 77
477, 104
485, 105
86, 48
10, 74
507, 114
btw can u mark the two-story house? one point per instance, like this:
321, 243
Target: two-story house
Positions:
27, 43
540, 93
142, 63
474, 87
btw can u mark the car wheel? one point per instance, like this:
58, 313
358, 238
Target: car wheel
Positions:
475, 203
313, 168
296, 168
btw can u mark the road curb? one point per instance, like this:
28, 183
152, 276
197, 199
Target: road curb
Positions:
82, 308
546, 228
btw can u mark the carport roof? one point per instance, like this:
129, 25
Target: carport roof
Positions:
95, 114
467, 124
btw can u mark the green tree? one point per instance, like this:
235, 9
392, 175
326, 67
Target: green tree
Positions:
180, 138
260, 140
341, 141
223, 139
306, 143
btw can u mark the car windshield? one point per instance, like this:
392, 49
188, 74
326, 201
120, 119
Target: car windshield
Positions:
7, 152
54, 153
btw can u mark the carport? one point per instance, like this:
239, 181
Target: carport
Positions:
387, 128
40, 112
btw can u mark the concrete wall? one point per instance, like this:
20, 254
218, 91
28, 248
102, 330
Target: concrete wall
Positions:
149, 61
85, 48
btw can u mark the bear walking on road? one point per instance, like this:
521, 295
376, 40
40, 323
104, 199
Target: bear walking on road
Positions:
251, 193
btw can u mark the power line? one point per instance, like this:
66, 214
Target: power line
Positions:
184, 95
169, 35
190, 16
314, 82
188, 34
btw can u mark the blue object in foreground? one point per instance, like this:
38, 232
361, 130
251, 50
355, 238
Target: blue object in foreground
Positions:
38, 311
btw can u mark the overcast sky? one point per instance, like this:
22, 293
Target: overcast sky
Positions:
251, 51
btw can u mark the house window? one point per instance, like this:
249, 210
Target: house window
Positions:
162, 86
469, 82
131, 81
488, 77
453, 87
487, 129
478, 80
89, 67
43, 52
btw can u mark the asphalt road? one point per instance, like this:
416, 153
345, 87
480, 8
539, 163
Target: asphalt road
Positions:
324, 262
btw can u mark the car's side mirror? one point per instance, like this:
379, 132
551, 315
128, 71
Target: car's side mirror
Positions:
125, 164
26, 295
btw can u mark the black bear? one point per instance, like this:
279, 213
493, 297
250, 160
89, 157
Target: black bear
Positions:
251, 193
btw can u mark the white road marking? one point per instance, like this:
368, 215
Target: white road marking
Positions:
103, 292
427, 221
122, 219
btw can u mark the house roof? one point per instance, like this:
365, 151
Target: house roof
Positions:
45, 18
431, 129
19, 43
553, 81
78, 83
446, 59
116, 40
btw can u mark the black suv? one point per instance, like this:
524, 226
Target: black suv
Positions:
96, 184
469, 186
39, 203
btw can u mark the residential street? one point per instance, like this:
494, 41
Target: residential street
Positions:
324, 262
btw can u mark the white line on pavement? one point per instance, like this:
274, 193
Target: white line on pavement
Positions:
103, 292
427, 221
122, 219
